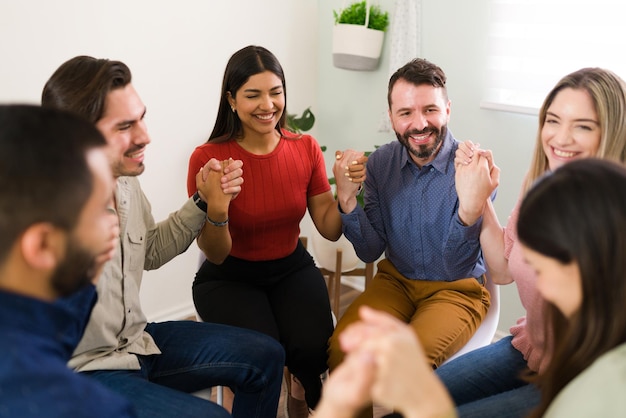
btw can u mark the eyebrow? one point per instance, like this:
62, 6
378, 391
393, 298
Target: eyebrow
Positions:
576, 120
258, 91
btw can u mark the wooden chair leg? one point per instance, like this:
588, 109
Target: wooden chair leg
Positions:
369, 273
336, 284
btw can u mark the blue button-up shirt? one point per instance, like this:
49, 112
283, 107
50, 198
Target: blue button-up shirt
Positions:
412, 215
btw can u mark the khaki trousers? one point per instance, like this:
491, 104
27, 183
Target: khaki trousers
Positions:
444, 315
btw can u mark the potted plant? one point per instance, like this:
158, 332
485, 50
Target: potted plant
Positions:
358, 36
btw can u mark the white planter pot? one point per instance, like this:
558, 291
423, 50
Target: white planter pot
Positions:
325, 252
356, 47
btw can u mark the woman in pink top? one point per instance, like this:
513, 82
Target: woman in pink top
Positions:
583, 116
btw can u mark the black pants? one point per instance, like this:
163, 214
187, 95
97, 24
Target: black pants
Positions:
286, 299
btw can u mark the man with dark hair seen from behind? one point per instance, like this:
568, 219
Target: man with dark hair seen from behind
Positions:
57, 230
158, 365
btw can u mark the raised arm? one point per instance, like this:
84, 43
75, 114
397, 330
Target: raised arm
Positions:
476, 178
218, 183
323, 208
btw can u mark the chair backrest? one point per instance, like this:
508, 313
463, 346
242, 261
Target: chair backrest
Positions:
487, 329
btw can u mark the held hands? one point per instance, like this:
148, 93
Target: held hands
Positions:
231, 176
349, 172
218, 183
385, 364
476, 179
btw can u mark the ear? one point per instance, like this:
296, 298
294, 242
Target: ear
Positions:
230, 98
43, 246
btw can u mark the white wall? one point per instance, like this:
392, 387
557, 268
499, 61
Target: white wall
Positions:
177, 52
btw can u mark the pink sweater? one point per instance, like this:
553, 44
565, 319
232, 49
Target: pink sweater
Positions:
528, 332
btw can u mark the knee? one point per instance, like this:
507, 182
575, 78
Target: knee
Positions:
269, 351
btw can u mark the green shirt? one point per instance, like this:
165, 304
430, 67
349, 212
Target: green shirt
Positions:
597, 392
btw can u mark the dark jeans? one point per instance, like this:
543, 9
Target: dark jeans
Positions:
196, 356
285, 298
486, 382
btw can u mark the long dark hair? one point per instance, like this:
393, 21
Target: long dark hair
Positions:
578, 213
241, 66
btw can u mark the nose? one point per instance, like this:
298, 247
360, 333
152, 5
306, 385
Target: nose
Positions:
266, 103
140, 134
420, 122
564, 135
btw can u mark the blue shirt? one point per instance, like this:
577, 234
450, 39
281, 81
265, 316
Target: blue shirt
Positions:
37, 340
412, 215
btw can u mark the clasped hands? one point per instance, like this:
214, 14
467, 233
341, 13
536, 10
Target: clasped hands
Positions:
219, 182
385, 364
349, 172
476, 178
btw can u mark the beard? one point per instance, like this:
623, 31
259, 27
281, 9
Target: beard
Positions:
76, 271
424, 150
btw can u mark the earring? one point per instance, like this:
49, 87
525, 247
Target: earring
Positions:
232, 108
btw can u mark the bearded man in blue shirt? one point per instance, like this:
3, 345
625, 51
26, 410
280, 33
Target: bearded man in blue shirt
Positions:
433, 272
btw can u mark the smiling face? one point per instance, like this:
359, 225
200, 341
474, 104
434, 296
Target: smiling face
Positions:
558, 283
124, 128
571, 130
259, 103
419, 115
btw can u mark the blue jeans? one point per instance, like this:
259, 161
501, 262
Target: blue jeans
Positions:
487, 382
198, 355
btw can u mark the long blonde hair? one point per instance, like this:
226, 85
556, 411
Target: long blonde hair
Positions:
608, 93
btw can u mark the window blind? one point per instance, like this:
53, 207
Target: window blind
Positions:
534, 43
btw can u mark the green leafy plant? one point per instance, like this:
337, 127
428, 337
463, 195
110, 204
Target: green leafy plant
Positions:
355, 14
302, 123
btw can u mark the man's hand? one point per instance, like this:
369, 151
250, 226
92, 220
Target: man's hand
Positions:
475, 180
212, 183
231, 176
349, 172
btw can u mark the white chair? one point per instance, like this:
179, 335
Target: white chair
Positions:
487, 329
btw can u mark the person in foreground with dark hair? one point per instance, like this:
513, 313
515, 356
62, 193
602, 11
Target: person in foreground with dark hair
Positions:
56, 232
158, 365
571, 227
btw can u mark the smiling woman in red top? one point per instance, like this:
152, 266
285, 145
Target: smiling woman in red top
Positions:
268, 282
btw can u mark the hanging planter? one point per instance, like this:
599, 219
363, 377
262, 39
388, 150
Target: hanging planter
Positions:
358, 36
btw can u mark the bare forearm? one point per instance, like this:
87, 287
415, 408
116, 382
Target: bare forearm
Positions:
330, 226
492, 243
325, 215
215, 242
